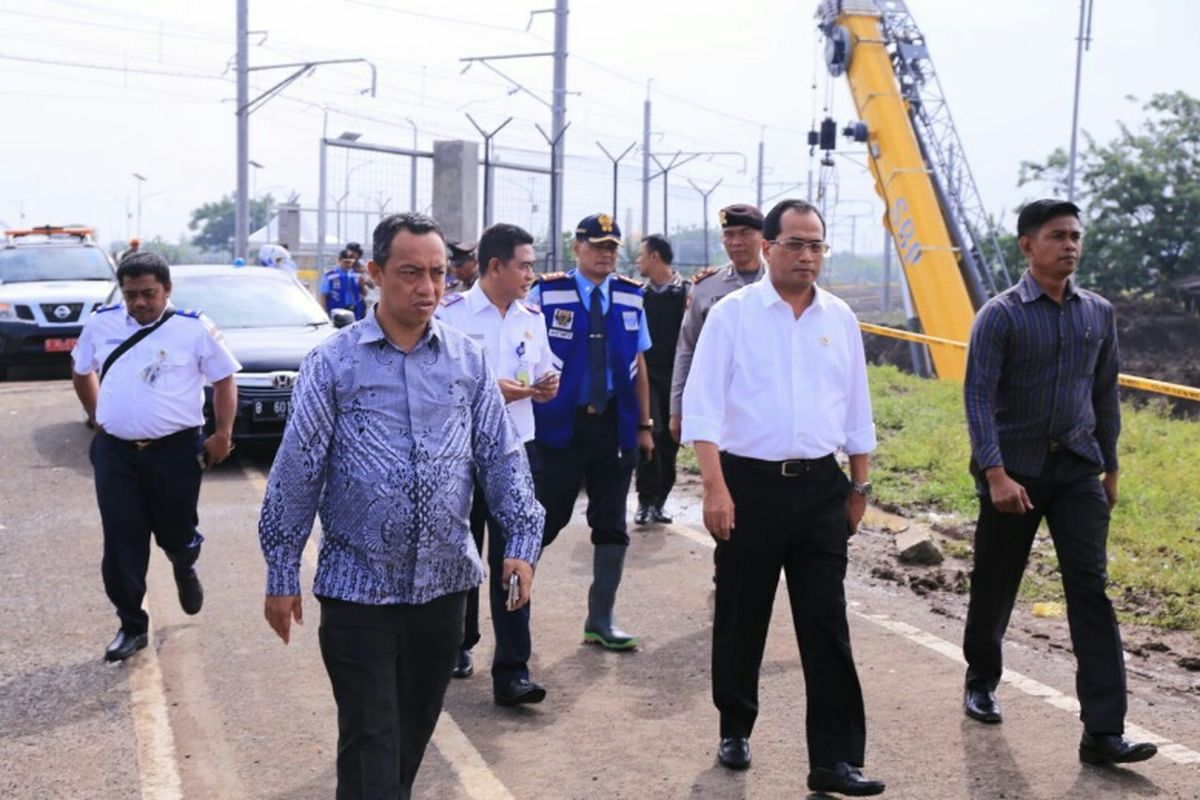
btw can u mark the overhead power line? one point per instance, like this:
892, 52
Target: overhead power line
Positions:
114, 68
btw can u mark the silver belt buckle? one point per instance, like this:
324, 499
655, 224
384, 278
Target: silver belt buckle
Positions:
143, 444
784, 471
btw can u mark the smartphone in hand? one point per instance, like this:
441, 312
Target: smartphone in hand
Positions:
514, 592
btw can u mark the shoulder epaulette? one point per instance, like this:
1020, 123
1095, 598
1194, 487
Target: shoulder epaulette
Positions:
705, 273
451, 299
629, 280
532, 308
549, 276
111, 307
187, 312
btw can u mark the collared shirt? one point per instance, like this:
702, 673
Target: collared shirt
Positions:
385, 446
1040, 373
515, 345
155, 388
705, 294
585, 288
767, 385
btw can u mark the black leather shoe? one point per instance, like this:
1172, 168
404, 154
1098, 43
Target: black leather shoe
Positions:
642, 517
982, 705
125, 645
1106, 749
464, 667
657, 515
191, 593
734, 752
521, 691
843, 779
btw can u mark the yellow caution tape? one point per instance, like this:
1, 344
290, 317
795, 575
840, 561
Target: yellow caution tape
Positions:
1128, 381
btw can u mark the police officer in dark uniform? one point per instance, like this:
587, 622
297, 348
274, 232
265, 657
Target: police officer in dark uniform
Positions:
464, 267
590, 434
666, 296
140, 370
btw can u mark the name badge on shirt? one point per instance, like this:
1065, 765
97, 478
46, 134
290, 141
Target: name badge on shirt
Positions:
555, 333
563, 318
631, 320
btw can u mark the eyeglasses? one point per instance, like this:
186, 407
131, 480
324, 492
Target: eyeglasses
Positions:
411, 275
817, 248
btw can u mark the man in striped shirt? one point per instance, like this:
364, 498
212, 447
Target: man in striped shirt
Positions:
1044, 416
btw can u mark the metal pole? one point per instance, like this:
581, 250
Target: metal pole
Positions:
241, 212
646, 163
759, 194
321, 211
412, 178
1084, 39
887, 271
558, 118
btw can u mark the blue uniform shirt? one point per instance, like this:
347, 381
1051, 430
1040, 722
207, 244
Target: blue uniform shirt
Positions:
344, 290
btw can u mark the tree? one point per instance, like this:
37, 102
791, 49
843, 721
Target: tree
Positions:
1140, 195
215, 221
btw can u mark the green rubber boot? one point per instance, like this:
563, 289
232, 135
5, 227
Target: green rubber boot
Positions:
607, 565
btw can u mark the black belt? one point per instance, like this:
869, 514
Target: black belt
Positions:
146, 444
791, 468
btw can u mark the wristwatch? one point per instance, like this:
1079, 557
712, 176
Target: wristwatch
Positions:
863, 488
647, 426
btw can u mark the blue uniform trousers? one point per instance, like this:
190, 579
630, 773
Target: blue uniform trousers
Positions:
152, 489
511, 628
595, 462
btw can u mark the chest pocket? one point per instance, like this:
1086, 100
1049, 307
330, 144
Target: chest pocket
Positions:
1090, 341
167, 371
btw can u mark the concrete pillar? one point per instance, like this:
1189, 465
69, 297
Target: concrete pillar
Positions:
288, 225
456, 189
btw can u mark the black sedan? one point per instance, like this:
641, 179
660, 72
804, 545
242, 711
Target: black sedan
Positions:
270, 322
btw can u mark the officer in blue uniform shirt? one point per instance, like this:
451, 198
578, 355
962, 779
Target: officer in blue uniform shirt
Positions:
591, 433
139, 371
341, 287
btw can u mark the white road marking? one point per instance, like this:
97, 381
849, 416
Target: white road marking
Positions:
1166, 748
476, 777
157, 766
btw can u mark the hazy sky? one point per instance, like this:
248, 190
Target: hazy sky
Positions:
72, 135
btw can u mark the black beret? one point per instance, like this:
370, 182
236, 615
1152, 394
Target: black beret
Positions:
461, 251
1034, 214
741, 214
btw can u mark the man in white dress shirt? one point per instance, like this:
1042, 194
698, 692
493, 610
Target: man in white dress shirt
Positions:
140, 370
515, 345
778, 385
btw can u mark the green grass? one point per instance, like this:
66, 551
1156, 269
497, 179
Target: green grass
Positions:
1154, 540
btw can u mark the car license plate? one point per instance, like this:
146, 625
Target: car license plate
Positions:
59, 345
272, 409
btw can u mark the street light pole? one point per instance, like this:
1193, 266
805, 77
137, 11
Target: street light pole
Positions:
140, 180
412, 177
705, 195
1083, 42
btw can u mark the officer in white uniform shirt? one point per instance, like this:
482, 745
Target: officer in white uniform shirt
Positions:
513, 337
140, 370
778, 385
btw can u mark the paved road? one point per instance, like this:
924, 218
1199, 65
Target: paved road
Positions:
218, 708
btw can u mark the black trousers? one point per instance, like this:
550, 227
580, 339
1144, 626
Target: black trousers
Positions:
1069, 496
389, 667
797, 525
142, 492
511, 628
656, 477
595, 462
